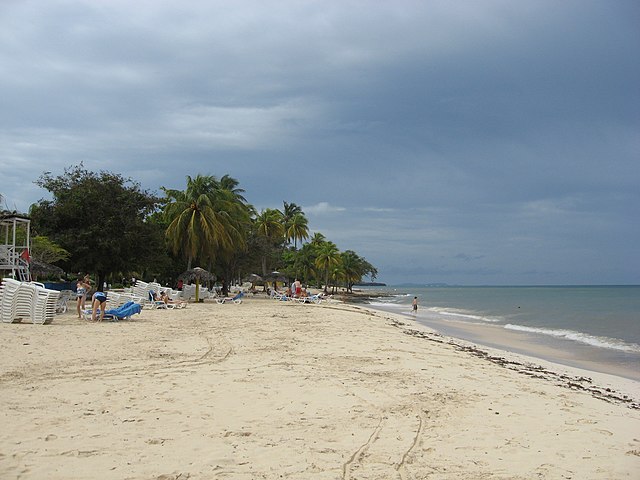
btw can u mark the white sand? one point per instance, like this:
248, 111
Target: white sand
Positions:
270, 389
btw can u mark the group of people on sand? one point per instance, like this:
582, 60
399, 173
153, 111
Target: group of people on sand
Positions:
98, 299
297, 290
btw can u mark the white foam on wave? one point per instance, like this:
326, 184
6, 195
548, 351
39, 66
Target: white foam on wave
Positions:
594, 341
467, 316
384, 304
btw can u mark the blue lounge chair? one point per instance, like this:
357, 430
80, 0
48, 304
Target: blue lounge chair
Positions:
124, 311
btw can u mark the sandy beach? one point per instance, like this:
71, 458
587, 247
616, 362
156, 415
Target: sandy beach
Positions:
268, 390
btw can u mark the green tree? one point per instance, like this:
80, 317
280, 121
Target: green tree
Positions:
270, 228
295, 222
237, 213
297, 228
290, 210
99, 217
44, 250
304, 263
317, 239
327, 258
206, 220
354, 268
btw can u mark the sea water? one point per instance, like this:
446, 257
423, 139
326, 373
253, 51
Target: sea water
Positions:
593, 327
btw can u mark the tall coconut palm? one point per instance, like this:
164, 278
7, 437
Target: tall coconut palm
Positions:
327, 257
269, 226
304, 263
297, 228
290, 210
201, 219
230, 184
317, 239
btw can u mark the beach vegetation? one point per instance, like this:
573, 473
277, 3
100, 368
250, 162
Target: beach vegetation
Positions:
45, 250
354, 267
208, 222
327, 258
108, 225
100, 218
270, 231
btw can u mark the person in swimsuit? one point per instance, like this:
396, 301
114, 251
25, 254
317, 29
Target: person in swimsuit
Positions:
81, 295
415, 304
99, 302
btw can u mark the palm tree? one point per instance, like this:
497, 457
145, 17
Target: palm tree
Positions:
204, 220
297, 229
337, 273
290, 210
231, 184
354, 268
269, 227
304, 262
328, 257
317, 239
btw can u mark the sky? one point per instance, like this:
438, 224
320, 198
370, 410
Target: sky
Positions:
484, 142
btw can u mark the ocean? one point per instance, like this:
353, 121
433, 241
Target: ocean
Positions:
592, 327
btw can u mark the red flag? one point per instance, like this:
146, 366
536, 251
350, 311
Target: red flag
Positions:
25, 256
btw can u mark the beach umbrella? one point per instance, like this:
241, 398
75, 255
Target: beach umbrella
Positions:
253, 278
197, 274
276, 276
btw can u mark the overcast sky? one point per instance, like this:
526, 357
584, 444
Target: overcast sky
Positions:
467, 142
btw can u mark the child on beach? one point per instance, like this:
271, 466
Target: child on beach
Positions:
415, 304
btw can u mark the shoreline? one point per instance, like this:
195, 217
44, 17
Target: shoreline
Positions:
269, 389
604, 385
590, 358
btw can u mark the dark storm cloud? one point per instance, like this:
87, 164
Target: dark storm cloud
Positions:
410, 131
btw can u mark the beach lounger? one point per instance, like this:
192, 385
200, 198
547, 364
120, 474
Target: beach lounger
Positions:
237, 299
279, 296
152, 302
123, 312
316, 299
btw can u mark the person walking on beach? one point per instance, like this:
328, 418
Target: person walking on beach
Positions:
415, 305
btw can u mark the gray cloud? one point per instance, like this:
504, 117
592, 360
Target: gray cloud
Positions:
411, 131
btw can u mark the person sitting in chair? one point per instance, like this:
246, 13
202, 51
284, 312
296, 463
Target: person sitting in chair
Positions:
165, 298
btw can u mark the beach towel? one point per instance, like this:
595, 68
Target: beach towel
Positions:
125, 311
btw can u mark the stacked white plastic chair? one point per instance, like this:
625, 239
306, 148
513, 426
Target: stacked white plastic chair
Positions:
141, 289
188, 292
44, 308
21, 300
8, 293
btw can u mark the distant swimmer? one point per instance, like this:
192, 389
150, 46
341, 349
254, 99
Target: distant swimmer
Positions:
415, 304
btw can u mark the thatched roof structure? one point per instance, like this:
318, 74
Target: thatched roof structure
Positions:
197, 273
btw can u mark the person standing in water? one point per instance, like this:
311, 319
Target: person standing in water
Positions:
415, 305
